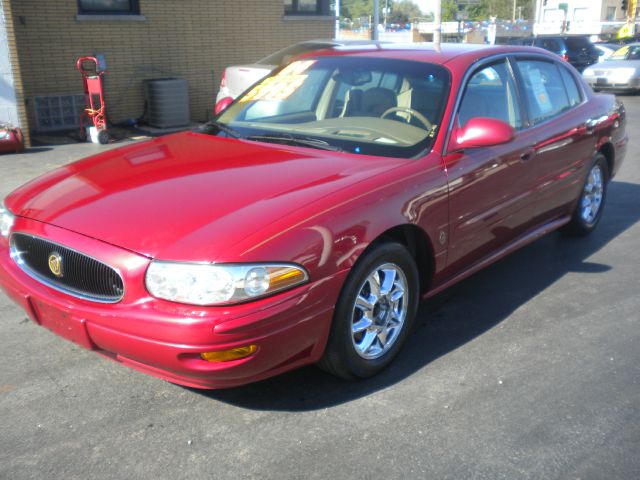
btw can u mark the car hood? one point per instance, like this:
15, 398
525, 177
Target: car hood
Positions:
615, 64
188, 196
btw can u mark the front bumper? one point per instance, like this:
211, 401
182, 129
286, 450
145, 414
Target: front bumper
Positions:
597, 83
165, 339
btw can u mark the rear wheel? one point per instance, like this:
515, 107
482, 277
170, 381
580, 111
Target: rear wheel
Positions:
591, 204
374, 313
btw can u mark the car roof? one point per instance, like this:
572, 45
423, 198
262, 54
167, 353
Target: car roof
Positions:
573, 35
328, 41
427, 52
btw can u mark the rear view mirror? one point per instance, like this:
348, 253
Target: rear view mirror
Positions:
481, 132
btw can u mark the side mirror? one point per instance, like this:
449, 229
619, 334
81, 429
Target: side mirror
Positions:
481, 132
222, 105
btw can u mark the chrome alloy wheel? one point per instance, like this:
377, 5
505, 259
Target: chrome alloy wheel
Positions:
592, 195
379, 311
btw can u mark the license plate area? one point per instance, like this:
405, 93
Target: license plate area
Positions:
63, 324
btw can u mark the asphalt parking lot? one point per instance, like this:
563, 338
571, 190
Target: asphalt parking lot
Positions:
529, 369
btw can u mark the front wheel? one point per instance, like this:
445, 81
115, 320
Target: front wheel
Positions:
374, 313
591, 203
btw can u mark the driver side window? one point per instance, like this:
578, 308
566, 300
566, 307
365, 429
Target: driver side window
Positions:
491, 93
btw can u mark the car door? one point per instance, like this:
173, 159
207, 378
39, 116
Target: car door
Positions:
563, 132
490, 194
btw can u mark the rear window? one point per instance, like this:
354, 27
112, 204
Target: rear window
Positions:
550, 44
577, 42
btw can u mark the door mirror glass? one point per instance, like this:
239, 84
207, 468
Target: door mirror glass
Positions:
481, 132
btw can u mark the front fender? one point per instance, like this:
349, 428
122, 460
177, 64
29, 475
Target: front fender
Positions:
329, 235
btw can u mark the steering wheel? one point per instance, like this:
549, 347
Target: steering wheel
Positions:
410, 111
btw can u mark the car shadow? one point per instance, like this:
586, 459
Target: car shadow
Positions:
454, 317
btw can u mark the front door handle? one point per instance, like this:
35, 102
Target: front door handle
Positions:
528, 154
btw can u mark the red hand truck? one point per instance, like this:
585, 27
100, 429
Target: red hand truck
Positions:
93, 98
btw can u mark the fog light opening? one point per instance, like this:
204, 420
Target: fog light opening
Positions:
227, 355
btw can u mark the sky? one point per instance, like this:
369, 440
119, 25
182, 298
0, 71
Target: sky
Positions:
425, 5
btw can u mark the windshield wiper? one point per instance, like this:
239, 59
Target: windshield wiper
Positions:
220, 127
288, 139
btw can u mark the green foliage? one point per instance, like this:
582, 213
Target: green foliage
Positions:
357, 8
449, 10
403, 11
502, 9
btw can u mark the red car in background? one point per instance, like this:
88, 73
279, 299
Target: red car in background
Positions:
306, 222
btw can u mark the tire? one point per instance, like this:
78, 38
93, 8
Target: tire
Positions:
389, 318
103, 137
590, 205
82, 135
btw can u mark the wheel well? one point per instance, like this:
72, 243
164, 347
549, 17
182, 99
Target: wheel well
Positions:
417, 242
609, 153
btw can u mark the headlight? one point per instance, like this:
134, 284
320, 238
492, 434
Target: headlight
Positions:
219, 284
6, 221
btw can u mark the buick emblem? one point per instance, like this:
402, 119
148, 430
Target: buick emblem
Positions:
55, 264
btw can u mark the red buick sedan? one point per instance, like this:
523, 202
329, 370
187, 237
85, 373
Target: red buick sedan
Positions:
306, 222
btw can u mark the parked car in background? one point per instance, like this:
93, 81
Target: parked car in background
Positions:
620, 72
606, 50
575, 49
236, 79
304, 224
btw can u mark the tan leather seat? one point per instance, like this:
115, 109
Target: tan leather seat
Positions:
376, 101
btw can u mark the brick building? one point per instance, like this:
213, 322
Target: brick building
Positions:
140, 39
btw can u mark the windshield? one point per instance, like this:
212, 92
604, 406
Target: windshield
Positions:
361, 105
628, 52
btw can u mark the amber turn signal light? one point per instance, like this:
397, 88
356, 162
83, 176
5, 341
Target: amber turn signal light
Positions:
227, 355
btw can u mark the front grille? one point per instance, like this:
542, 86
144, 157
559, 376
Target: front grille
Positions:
79, 275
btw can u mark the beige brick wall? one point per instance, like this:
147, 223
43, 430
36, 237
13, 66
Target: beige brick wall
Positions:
192, 39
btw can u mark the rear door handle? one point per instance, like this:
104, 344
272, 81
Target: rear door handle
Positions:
590, 126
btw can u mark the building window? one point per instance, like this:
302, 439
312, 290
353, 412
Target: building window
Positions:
611, 14
302, 7
108, 7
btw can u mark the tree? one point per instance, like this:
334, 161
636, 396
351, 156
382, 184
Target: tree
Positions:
403, 11
359, 8
503, 9
449, 10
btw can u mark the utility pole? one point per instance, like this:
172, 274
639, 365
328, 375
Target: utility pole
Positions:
376, 19
337, 34
386, 13
513, 16
437, 23
537, 18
